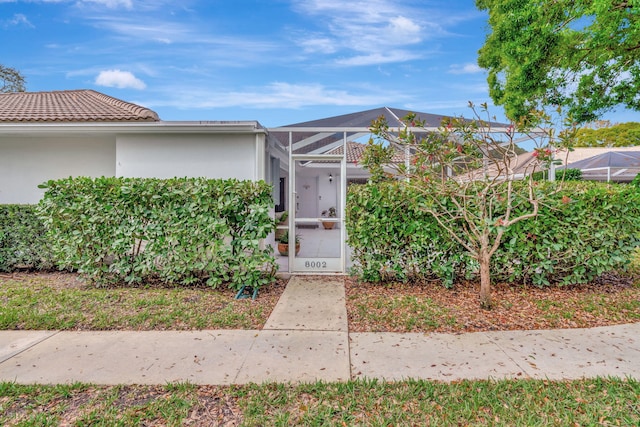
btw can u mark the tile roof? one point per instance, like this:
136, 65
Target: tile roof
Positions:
355, 150
70, 106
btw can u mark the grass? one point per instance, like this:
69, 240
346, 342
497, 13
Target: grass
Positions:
33, 302
60, 302
602, 306
402, 312
367, 402
38, 303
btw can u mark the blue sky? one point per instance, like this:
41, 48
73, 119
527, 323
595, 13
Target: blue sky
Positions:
278, 62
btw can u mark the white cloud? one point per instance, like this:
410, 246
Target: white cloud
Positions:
187, 39
119, 79
18, 19
468, 68
370, 30
319, 45
378, 58
362, 31
277, 95
404, 30
112, 4
287, 95
364, 11
148, 29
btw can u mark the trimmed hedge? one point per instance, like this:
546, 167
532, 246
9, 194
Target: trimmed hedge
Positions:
178, 231
23, 243
393, 239
561, 174
582, 231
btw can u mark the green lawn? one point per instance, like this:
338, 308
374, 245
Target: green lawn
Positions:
58, 302
366, 403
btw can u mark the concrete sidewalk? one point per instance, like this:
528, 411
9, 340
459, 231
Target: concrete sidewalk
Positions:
306, 339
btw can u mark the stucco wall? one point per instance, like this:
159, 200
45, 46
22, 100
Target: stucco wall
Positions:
26, 162
168, 156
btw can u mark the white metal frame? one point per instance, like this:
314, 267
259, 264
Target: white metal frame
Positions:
329, 265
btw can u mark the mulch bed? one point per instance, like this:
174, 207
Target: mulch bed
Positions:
515, 307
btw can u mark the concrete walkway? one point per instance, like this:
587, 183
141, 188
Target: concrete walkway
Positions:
306, 339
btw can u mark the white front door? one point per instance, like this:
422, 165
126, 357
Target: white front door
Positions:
307, 197
322, 250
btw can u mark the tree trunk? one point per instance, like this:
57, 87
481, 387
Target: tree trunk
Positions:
485, 282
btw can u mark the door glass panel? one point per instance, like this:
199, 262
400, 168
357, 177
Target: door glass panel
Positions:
318, 218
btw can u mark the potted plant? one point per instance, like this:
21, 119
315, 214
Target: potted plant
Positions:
281, 221
329, 213
283, 244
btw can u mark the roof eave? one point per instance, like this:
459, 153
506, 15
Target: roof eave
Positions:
132, 128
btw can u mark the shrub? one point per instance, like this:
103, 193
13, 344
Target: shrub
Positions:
583, 230
181, 231
23, 243
566, 175
393, 239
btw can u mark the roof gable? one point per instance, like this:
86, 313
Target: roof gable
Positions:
75, 106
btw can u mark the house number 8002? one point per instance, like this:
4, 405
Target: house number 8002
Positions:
315, 264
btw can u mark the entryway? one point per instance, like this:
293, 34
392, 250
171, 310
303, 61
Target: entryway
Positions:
317, 204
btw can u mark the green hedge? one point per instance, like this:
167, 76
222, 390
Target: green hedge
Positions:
392, 239
179, 231
582, 231
22, 239
561, 174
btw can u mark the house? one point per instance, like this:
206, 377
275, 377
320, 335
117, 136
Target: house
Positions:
52, 135
615, 164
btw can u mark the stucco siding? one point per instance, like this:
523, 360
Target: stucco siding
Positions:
168, 156
26, 162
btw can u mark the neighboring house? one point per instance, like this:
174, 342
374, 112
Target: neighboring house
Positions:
50, 135
616, 164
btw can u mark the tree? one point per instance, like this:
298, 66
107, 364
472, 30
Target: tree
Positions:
619, 135
465, 175
583, 55
11, 80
